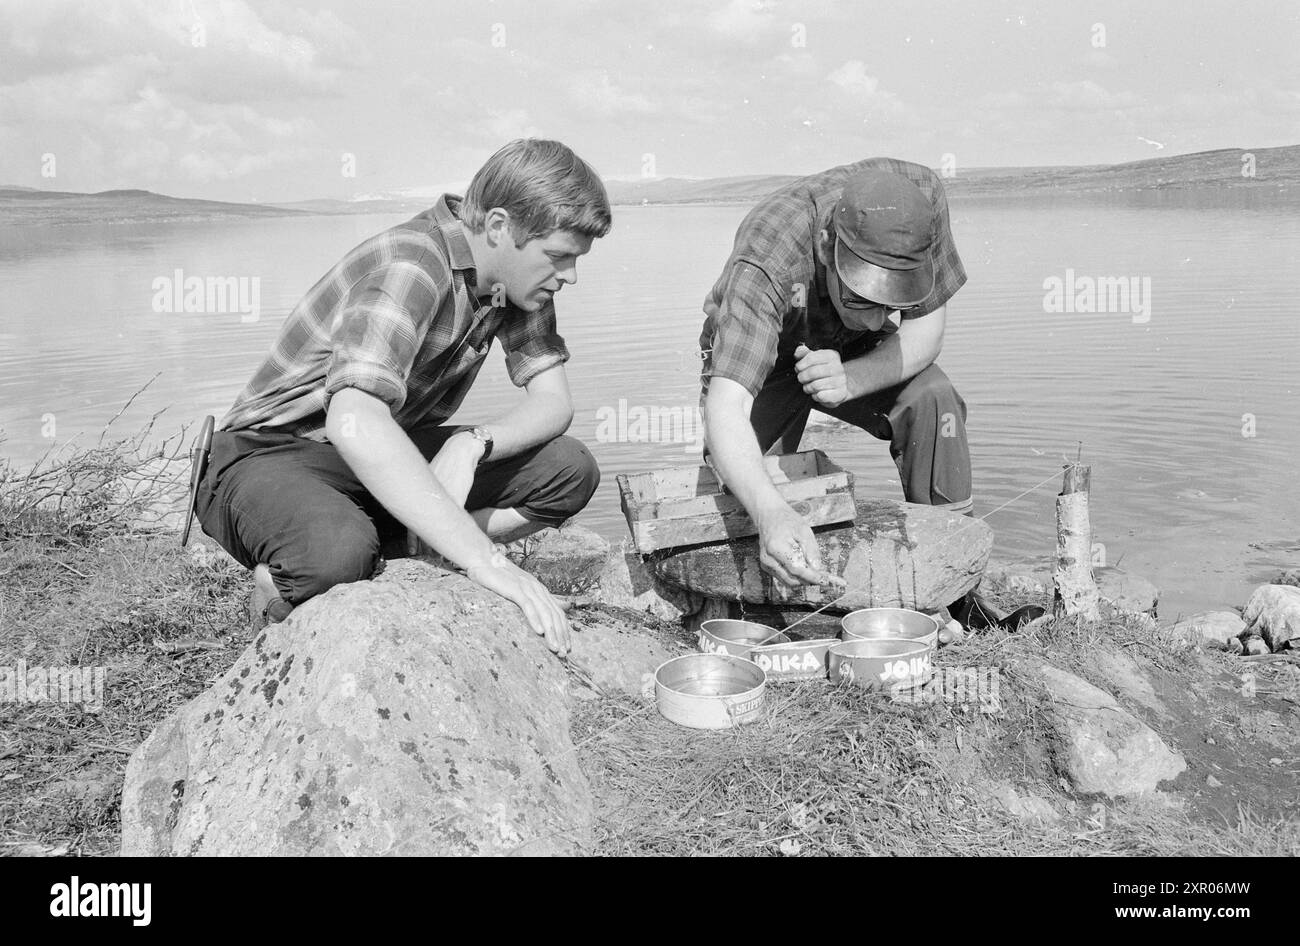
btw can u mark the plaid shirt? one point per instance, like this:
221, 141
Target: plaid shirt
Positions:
772, 293
395, 318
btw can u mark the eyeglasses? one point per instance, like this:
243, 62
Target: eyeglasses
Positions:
851, 300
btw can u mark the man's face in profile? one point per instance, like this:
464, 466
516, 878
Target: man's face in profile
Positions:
857, 314
535, 272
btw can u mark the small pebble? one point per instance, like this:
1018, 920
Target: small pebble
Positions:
1209, 741
1256, 646
1274, 761
1234, 646
1213, 782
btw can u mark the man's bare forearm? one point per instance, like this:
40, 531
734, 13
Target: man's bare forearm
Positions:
901, 356
538, 418
734, 450
391, 468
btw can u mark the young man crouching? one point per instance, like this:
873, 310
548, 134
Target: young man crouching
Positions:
338, 444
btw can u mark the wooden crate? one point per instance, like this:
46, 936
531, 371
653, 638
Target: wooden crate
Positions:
688, 505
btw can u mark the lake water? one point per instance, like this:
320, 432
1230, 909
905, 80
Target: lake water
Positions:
1187, 413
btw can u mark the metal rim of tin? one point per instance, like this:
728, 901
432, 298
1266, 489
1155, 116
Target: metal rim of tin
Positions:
710, 711
708, 630
926, 632
900, 647
744, 665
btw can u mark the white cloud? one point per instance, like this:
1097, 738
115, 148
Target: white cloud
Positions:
745, 21
1087, 95
597, 93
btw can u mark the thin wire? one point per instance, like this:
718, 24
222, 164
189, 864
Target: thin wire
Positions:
852, 591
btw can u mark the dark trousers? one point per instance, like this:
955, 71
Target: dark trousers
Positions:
296, 506
924, 420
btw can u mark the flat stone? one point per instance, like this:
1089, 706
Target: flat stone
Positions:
412, 714
1105, 749
1126, 592
1213, 627
896, 555
1273, 612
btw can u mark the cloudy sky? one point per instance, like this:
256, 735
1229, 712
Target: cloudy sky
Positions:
237, 100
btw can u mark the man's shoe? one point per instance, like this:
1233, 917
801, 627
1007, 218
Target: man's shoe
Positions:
977, 614
265, 606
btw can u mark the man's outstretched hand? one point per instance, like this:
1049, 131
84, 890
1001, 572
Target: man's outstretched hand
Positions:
543, 612
787, 548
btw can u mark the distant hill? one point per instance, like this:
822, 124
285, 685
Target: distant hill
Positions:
325, 205
1275, 168
27, 205
1277, 173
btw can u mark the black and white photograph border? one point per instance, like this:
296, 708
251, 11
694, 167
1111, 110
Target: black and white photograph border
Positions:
776, 428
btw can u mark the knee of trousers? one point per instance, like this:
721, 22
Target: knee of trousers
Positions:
930, 393
336, 553
573, 476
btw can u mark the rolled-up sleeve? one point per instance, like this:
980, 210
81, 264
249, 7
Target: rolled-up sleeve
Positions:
378, 331
532, 344
744, 328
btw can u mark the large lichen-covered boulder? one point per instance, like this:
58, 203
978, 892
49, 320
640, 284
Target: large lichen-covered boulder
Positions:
895, 554
412, 714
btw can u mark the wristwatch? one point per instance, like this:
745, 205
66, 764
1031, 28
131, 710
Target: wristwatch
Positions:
483, 436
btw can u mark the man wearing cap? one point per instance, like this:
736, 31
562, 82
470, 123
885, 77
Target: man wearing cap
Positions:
834, 298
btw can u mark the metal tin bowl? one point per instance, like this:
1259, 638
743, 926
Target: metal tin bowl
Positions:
797, 660
710, 691
891, 624
737, 638
881, 664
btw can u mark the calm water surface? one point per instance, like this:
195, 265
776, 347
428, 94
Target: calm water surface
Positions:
1179, 494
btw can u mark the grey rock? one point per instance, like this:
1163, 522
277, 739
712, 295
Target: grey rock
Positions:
1273, 612
412, 714
1290, 576
1126, 592
1017, 579
1213, 782
1213, 627
618, 658
1124, 673
1104, 748
1255, 646
1030, 807
896, 554
625, 581
566, 561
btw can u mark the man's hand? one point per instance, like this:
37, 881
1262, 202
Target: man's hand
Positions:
822, 375
455, 465
544, 614
787, 548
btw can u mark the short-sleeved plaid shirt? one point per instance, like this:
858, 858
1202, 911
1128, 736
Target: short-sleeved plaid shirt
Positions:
396, 318
772, 293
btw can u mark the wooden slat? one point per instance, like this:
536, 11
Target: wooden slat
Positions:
682, 506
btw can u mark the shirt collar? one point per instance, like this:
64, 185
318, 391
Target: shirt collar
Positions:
446, 212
